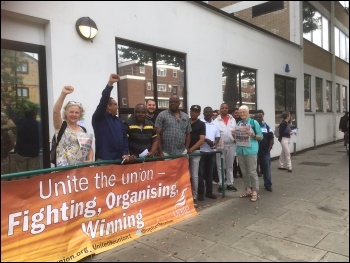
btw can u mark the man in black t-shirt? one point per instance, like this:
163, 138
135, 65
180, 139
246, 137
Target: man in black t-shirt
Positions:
197, 139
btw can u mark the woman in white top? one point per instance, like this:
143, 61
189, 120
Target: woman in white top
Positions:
75, 144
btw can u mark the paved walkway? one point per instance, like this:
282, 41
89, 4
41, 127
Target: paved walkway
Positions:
305, 218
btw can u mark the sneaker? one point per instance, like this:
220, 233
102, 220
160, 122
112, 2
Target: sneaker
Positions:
220, 189
200, 197
215, 182
282, 168
290, 171
211, 196
195, 203
231, 188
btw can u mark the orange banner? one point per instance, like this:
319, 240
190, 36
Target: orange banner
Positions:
68, 215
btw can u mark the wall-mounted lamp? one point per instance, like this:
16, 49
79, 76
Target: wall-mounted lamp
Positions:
286, 69
86, 28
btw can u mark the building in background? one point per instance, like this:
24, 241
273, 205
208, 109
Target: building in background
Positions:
265, 55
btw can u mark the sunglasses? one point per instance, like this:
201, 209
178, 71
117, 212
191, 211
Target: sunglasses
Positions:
73, 103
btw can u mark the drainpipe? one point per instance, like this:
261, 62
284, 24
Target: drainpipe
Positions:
314, 121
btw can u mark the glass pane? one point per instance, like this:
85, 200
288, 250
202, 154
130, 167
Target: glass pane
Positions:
345, 98
168, 83
325, 33
20, 100
307, 89
336, 42
337, 98
136, 76
342, 45
317, 34
290, 95
230, 84
319, 95
280, 97
329, 95
248, 91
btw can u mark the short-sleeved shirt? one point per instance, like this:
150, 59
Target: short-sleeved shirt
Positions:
173, 131
198, 128
267, 137
140, 137
212, 131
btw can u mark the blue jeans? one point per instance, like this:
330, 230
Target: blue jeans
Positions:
265, 164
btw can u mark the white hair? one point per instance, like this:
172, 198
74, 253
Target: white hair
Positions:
244, 108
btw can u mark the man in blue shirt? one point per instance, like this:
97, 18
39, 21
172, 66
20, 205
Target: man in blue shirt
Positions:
111, 141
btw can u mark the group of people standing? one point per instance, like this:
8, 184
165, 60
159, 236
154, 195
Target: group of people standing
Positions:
241, 140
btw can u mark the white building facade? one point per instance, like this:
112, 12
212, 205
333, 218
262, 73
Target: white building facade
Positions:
204, 39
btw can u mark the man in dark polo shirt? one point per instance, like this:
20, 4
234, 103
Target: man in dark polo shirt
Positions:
142, 135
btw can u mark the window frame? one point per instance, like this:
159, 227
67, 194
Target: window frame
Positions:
155, 51
253, 106
307, 105
286, 104
319, 92
21, 89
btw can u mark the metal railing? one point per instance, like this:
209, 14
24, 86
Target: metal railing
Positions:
117, 161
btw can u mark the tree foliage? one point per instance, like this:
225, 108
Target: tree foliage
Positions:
144, 56
310, 23
10, 80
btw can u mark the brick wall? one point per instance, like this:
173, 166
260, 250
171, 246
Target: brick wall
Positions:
341, 68
274, 22
317, 57
341, 14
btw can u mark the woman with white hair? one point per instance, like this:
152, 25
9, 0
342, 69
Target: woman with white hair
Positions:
248, 134
75, 144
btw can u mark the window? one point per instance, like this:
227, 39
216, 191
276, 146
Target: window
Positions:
319, 36
163, 103
169, 88
319, 95
23, 92
344, 3
24, 81
142, 69
337, 97
345, 98
174, 73
161, 87
22, 67
307, 92
154, 82
124, 101
174, 90
238, 86
161, 72
329, 96
285, 94
341, 45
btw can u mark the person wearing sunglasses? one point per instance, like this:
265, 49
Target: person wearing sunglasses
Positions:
111, 141
75, 145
